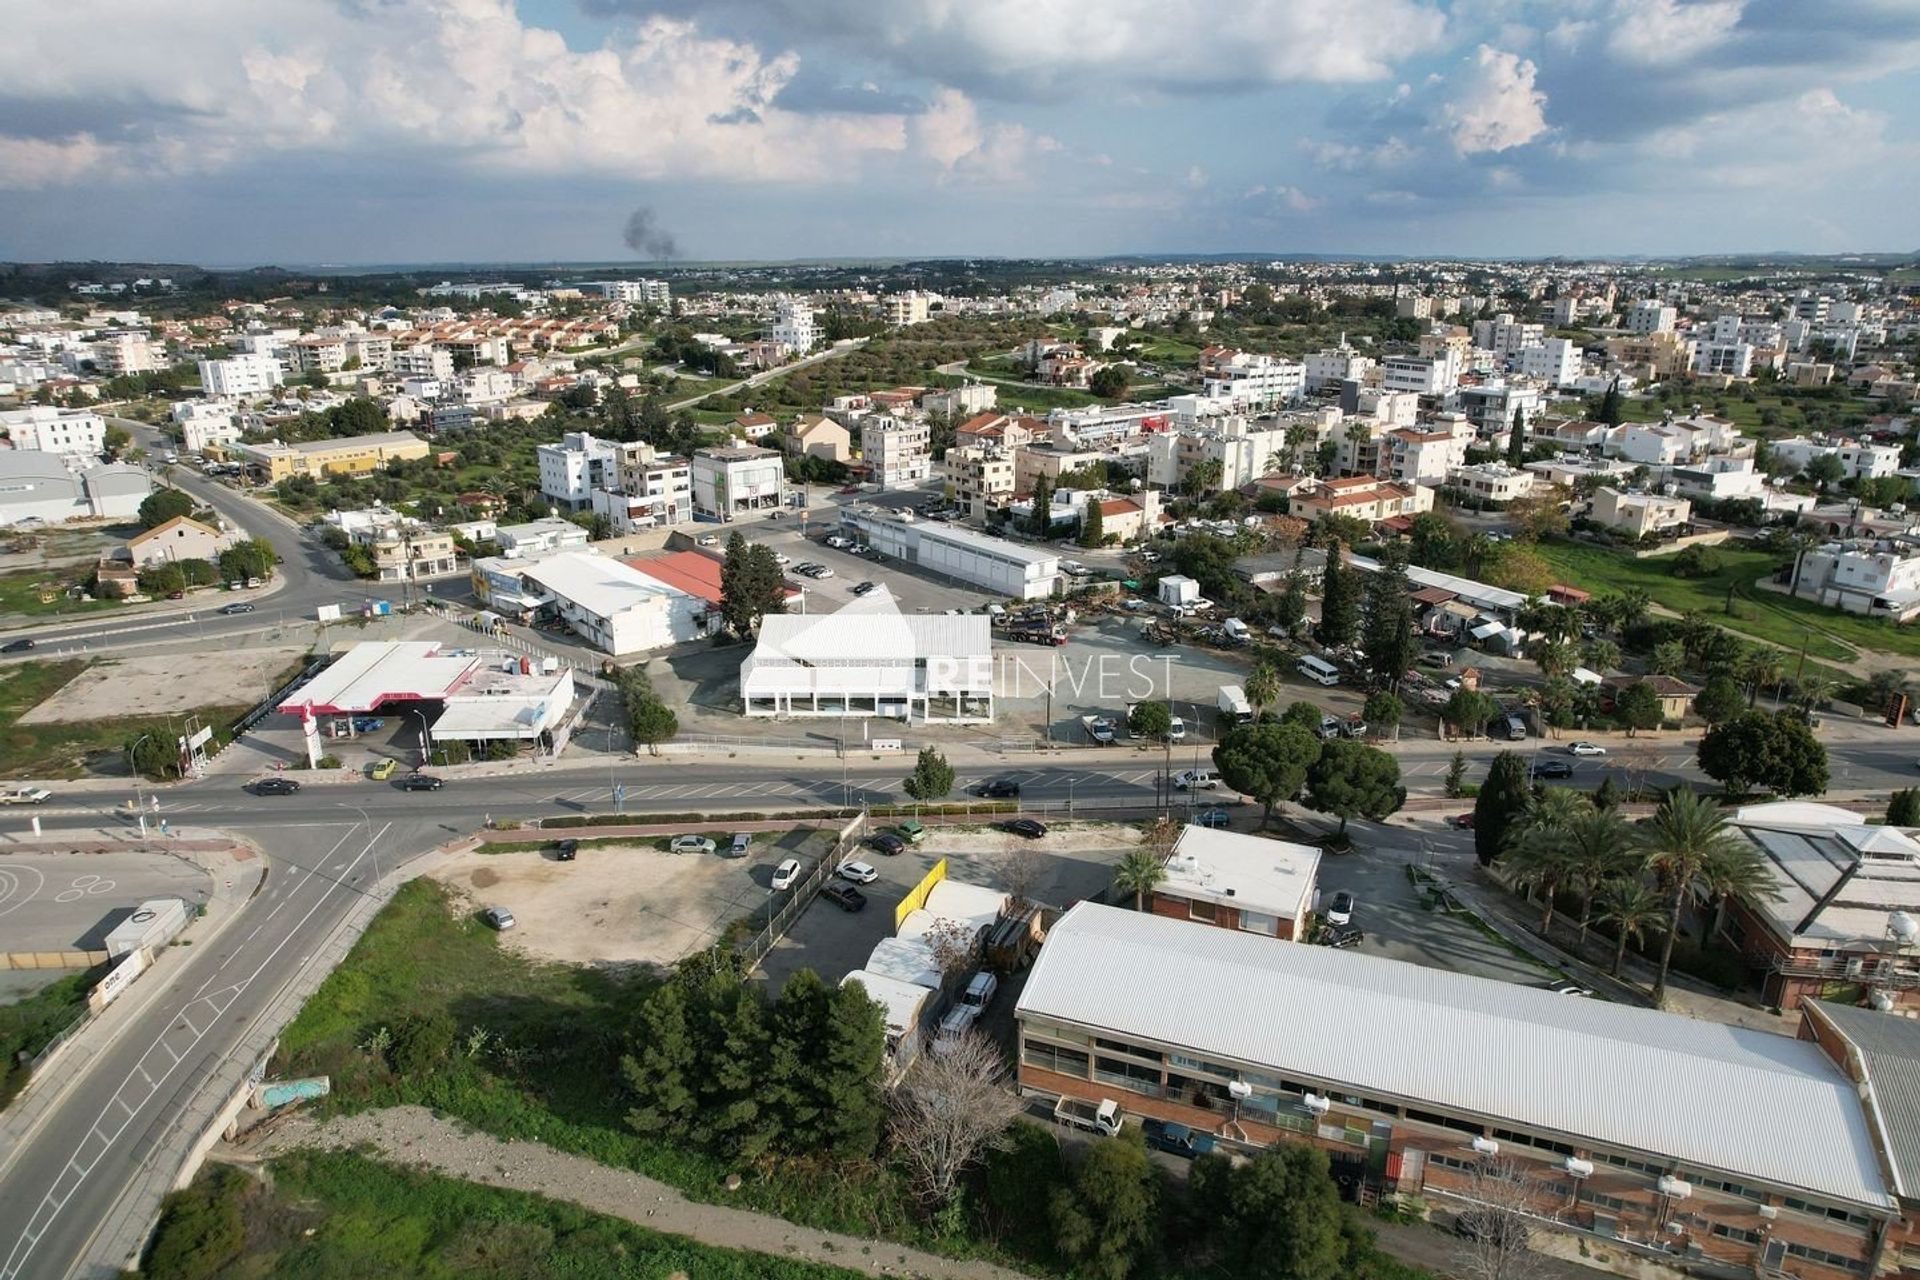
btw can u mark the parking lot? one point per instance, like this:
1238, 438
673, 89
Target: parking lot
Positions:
72, 901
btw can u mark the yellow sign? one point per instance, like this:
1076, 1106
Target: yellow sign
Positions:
918, 898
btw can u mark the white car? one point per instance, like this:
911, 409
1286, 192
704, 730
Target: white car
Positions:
958, 1021
786, 873
823, 572
691, 844
979, 992
1585, 749
782, 559
1340, 910
858, 872
708, 540
1189, 779
1176, 730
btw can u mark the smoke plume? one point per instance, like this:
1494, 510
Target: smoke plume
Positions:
648, 238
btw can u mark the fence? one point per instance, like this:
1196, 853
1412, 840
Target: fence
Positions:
265, 708
804, 891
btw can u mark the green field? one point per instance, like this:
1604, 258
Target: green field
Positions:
1765, 615
63, 750
30, 1025
20, 593
337, 1214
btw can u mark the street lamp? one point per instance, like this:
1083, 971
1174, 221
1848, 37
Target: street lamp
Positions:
370, 838
133, 767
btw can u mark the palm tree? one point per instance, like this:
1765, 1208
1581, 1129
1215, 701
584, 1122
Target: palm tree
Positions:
1631, 607
1262, 686
1736, 874
1139, 873
1540, 862
1685, 838
1555, 657
1669, 658
1600, 849
1602, 654
1812, 692
1759, 666
1630, 908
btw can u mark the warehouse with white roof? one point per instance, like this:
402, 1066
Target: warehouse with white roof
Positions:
1004, 568
869, 659
1667, 1132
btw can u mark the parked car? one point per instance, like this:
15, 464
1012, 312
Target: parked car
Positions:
1567, 987
1176, 1139
786, 874
1196, 779
1340, 910
275, 787
980, 991
368, 724
383, 770
998, 789
782, 559
1461, 822
16, 646
956, 1022
690, 844
1176, 730
741, 842
421, 782
821, 571
1215, 818
861, 589
1026, 827
859, 872
566, 850
499, 917
1342, 935
236, 607
844, 896
888, 843
1550, 769
910, 831
1585, 749
708, 540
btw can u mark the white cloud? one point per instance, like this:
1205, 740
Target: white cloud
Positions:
1661, 32
1268, 201
1494, 106
950, 133
465, 81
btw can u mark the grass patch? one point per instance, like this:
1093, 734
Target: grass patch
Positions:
337, 1214
1785, 621
30, 1025
20, 594
64, 750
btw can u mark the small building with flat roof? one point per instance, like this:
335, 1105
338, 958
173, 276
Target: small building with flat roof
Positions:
997, 566
1231, 881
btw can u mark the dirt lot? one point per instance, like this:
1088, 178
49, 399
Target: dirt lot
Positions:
164, 684
622, 904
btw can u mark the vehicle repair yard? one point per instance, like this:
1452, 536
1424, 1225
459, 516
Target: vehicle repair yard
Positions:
627, 901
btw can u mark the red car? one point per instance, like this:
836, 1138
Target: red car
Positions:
852, 488
1464, 821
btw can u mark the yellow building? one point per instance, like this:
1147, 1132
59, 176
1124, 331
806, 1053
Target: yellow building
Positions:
353, 455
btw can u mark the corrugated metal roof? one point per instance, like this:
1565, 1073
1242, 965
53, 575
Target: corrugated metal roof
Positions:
1745, 1103
598, 584
1888, 1048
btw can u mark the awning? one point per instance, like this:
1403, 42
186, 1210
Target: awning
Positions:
1486, 629
1582, 675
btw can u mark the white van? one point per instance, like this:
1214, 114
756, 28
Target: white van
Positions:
1319, 670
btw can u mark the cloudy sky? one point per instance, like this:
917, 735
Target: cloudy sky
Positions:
362, 131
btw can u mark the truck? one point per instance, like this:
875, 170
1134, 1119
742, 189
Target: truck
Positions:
1037, 632
1234, 707
1234, 632
1103, 1117
1099, 729
25, 795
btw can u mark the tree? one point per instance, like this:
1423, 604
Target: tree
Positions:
932, 777
1638, 707
1686, 836
750, 585
1110, 382
1500, 1197
1139, 873
1339, 601
1469, 710
1555, 658
1040, 521
202, 1230
1517, 440
253, 558
1021, 869
1107, 1220
1292, 609
1456, 775
1607, 796
1387, 634
662, 1065
163, 505
1601, 654
847, 1065
1631, 910
1150, 720
1383, 711
1719, 700
649, 720
1669, 658
1352, 779
1263, 685
1825, 469
1612, 407
164, 579
1764, 749
1092, 523
948, 1112
1903, 808
1502, 800
1277, 1214
1268, 761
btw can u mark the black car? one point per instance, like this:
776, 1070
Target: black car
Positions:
1551, 769
887, 843
844, 896
275, 787
16, 646
236, 607
1342, 935
421, 782
998, 789
863, 588
1024, 827
566, 850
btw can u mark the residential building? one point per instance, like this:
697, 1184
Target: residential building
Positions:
1753, 1154
1493, 482
1005, 569
1859, 459
423, 360
1571, 434
1650, 316
1246, 883
651, 490
1651, 444
77, 433
1569, 469
1554, 363
1638, 513
573, 468
1505, 336
1719, 478
39, 486
962, 401
611, 605
247, 376
181, 538
793, 326
126, 352
537, 538
815, 435
911, 307
1491, 408
1653, 356
1879, 579
352, 455
732, 479
651, 292
868, 659
1330, 368
998, 431
1255, 383
317, 353
1127, 518
896, 452
1426, 457
1361, 497
372, 350
1431, 377
1676, 695
753, 425
1049, 460
982, 478
205, 423
1723, 359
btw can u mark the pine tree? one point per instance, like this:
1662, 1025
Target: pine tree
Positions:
1388, 633
1293, 602
1456, 775
664, 1067
1092, 523
1503, 798
1517, 441
1042, 522
731, 1022
848, 1066
793, 1093
1339, 600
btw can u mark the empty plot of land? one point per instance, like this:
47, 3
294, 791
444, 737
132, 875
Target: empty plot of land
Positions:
626, 903
164, 684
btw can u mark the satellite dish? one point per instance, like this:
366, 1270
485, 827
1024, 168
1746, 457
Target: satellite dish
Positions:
1903, 927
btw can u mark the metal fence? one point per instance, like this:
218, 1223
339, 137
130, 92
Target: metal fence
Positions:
266, 707
804, 891
66, 1033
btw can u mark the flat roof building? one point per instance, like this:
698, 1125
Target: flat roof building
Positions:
351, 455
1241, 882
995, 565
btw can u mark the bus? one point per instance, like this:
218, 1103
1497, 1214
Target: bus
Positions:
1319, 670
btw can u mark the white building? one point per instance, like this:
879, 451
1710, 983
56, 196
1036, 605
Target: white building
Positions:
1718, 478
732, 479
246, 376
1491, 408
1881, 578
1638, 513
1431, 376
1726, 359
1334, 366
126, 352
78, 433
40, 486
573, 468
1002, 568
204, 423
896, 452
539, 538
1651, 316
611, 605
1859, 459
909, 308
1492, 481
652, 292
794, 327
868, 659
423, 360
1256, 383
1426, 457
1555, 362
1505, 336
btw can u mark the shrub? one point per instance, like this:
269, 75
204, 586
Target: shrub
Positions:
201, 1231
421, 1043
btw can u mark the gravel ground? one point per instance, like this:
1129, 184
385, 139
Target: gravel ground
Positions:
415, 1137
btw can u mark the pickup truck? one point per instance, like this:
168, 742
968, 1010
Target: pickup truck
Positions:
1103, 1117
25, 795
1099, 729
1178, 1139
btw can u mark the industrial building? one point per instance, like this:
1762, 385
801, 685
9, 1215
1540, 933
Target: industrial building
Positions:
612, 605
869, 659
1669, 1137
1246, 883
999, 567
352, 455
37, 486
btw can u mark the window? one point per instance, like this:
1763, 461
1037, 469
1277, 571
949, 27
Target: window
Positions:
1824, 1211
1126, 1075
1712, 1183
1049, 1057
1638, 1166
1726, 1232
1117, 1046
1824, 1258
1259, 922
1452, 1162
1601, 1201
1445, 1122
1197, 910
1532, 1140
